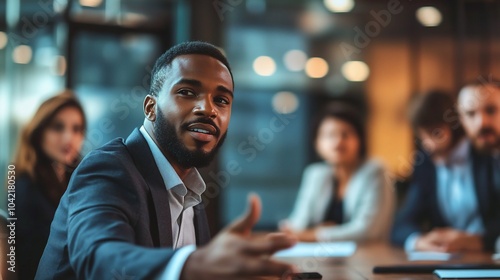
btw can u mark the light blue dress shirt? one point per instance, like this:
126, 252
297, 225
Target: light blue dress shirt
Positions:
456, 193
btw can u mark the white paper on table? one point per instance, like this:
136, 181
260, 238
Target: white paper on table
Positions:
468, 273
430, 256
319, 249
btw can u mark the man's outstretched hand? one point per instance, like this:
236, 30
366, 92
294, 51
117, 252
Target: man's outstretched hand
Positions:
235, 254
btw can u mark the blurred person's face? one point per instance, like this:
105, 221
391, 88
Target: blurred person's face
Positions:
436, 140
62, 139
337, 142
193, 109
479, 109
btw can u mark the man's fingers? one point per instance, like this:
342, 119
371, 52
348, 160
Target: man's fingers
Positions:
270, 244
280, 237
427, 243
244, 224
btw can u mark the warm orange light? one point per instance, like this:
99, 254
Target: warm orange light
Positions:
316, 67
22, 54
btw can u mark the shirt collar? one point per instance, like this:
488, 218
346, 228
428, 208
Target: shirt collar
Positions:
172, 181
460, 152
458, 155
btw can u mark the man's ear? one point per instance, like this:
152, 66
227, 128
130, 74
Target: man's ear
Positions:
150, 107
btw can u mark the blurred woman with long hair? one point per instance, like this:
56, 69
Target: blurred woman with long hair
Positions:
48, 152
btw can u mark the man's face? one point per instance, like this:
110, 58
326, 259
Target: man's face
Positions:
479, 109
193, 109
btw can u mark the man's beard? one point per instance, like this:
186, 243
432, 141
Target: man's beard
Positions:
487, 147
168, 140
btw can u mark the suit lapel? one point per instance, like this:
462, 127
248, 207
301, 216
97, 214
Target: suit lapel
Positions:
145, 163
431, 184
481, 171
426, 177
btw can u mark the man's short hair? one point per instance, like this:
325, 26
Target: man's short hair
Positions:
483, 80
158, 74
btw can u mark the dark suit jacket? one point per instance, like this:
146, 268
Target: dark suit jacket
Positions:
113, 222
421, 212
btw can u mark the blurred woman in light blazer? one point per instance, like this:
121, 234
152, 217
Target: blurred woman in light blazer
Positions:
346, 197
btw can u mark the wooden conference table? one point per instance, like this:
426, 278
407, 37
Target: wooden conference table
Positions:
360, 265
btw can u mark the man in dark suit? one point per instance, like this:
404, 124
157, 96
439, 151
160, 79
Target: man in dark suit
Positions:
479, 108
133, 208
451, 204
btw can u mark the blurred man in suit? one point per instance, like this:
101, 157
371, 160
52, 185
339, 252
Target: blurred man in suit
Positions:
479, 108
133, 207
449, 206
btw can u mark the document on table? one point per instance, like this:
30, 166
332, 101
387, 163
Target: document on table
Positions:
430, 256
319, 249
468, 274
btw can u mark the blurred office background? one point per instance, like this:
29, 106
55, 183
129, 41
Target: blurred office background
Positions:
288, 57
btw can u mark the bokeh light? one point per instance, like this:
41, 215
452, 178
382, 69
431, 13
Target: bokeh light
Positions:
316, 67
429, 16
264, 66
339, 6
295, 60
22, 54
285, 102
355, 71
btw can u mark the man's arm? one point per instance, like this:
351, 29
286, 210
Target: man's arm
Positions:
487, 190
492, 220
491, 236
409, 216
102, 214
449, 240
